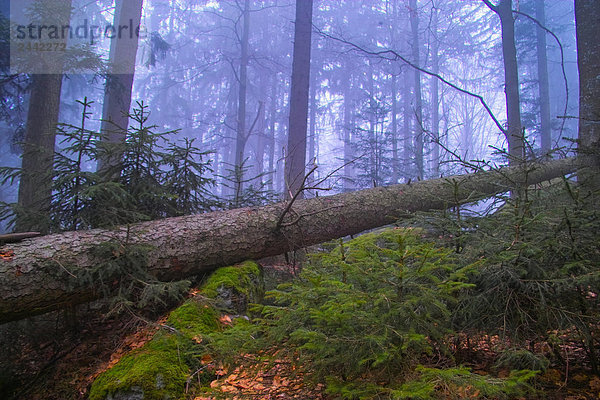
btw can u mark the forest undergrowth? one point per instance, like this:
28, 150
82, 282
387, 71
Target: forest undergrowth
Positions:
500, 303
448, 305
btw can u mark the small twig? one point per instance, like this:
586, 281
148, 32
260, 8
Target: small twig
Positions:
294, 222
64, 268
187, 384
575, 117
291, 202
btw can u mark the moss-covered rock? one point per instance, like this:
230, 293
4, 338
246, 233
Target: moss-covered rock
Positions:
160, 369
193, 319
236, 286
154, 372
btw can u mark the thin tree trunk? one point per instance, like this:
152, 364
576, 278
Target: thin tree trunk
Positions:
419, 132
295, 159
544, 85
514, 133
408, 116
34, 277
373, 140
272, 141
435, 94
241, 134
312, 129
348, 183
395, 160
119, 84
587, 15
392, 7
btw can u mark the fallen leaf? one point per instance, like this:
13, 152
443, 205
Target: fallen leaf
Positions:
206, 359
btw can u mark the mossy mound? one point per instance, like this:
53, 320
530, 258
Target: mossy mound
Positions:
194, 318
160, 369
236, 286
153, 372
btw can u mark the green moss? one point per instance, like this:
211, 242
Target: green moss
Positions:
241, 277
159, 370
156, 369
193, 319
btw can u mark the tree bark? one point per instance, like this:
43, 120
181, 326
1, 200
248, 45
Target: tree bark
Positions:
419, 132
295, 159
119, 83
312, 128
272, 141
242, 135
35, 186
407, 122
516, 142
348, 129
435, 95
587, 14
395, 161
33, 273
393, 9
543, 82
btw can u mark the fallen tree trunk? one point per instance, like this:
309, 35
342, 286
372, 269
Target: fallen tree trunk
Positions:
32, 273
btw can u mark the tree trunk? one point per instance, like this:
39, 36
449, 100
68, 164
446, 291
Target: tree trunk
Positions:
35, 187
393, 10
348, 183
435, 95
587, 14
395, 160
407, 111
272, 141
241, 134
33, 273
295, 159
516, 142
544, 85
119, 84
312, 129
419, 132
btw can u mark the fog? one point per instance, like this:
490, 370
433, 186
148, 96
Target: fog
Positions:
366, 118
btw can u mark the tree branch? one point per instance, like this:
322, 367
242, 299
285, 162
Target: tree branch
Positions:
490, 5
392, 55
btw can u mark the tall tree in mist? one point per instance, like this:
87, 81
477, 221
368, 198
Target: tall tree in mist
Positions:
119, 82
418, 140
35, 187
514, 133
435, 94
587, 15
296, 148
241, 135
544, 85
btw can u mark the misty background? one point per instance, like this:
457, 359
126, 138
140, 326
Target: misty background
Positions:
367, 117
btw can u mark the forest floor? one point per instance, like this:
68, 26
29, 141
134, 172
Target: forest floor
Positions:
63, 366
